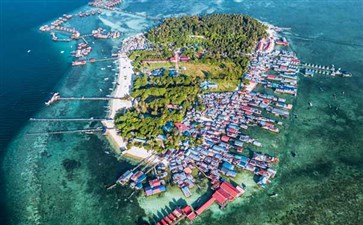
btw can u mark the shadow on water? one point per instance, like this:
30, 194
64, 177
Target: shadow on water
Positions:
175, 203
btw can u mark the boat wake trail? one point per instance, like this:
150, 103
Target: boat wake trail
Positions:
323, 39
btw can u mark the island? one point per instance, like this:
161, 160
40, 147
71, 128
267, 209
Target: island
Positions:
198, 84
191, 94
188, 56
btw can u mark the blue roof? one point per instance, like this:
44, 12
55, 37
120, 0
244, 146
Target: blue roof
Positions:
168, 126
231, 173
238, 143
219, 148
141, 178
172, 72
242, 164
244, 159
228, 165
233, 126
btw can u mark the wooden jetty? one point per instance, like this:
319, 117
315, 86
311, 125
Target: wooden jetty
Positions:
67, 131
142, 162
105, 59
88, 98
69, 119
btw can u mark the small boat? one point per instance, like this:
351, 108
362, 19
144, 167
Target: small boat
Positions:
346, 74
310, 104
53, 99
61, 52
103, 68
29, 51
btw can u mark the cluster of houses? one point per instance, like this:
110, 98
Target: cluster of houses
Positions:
222, 126
137, 42
277, 70
222, 123
222, 196
109, 5
156, 186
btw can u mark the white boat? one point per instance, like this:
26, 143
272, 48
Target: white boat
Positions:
53, 99
61, 52
29, 51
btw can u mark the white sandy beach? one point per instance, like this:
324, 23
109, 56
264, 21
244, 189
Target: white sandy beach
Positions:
123, 88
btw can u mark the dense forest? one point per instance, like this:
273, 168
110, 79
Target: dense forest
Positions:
222, 35
150, 114
216, 41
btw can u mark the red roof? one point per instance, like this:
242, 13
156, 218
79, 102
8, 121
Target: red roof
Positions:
224, 193
295, 61
181, 127
225, 138
246, 108
171, 216
154, 183
269, 124
271, 77
232, 130
187, 209
228, 187
260, 44
205, 206
191, 216
163, 222
168, 220
220, 197
177, 212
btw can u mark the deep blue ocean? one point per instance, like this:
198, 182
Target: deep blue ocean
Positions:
26, 79
39, 185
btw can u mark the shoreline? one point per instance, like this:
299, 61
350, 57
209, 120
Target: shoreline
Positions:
122, 90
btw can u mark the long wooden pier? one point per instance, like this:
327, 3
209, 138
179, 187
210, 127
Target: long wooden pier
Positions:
141, 162
105, 59
68, 131
89, 98
84, 40
150, 169
69, 119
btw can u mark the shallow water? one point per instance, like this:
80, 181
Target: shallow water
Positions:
61, 179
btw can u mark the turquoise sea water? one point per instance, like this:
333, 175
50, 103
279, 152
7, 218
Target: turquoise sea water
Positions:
61, 179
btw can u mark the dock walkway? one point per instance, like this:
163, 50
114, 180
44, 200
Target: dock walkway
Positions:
69, 119
68, 131
88, 98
